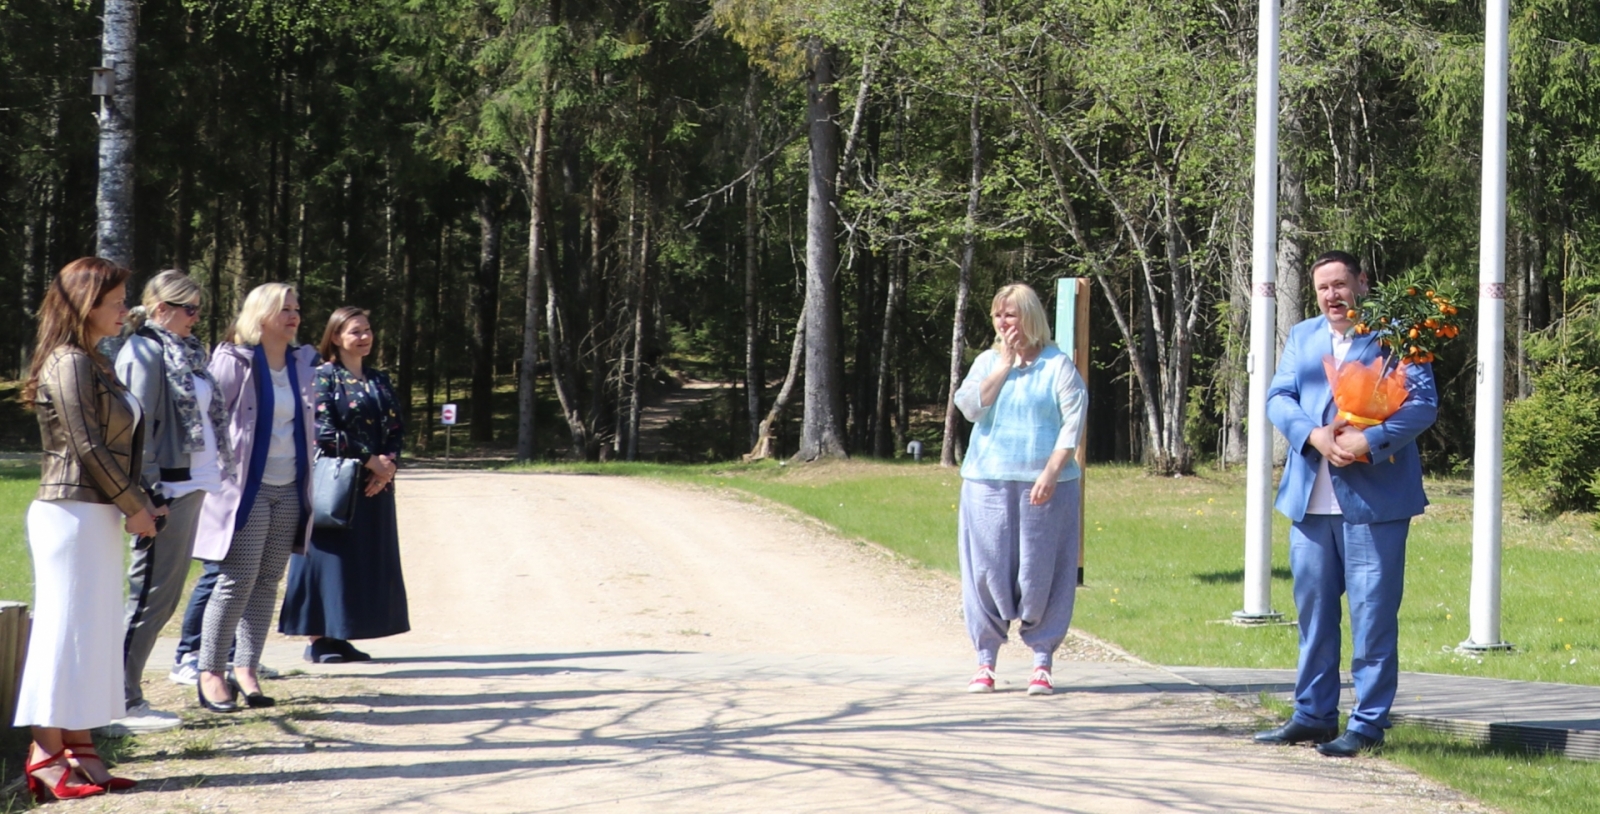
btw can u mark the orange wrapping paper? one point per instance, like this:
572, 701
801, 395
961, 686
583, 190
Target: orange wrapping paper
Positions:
1364, 395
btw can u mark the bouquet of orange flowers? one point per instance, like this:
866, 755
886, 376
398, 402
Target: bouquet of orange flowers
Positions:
1410, 317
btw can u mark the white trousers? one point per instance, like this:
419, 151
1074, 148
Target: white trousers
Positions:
73, 676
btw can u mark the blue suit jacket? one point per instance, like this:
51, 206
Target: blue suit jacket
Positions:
1300, 400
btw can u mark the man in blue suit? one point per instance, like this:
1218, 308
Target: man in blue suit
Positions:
1350, 517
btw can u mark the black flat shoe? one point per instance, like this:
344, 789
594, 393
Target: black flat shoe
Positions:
253, 700
215, 706
350, 652
1292, 732
324, 651
1349, 744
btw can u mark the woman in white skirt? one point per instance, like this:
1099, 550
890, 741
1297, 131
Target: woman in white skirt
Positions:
1018, 525
89, 494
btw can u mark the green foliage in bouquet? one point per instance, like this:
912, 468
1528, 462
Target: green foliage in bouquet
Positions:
1412, 316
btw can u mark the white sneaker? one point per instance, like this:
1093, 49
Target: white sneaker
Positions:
1041, 684
186, 672
139, 719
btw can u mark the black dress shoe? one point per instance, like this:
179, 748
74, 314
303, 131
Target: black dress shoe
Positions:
1349, 744
323, 650
215, 706
1293, 732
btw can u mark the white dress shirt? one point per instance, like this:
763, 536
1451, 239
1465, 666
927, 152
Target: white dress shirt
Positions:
1323, 500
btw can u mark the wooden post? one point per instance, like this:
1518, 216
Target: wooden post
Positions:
1072, 336
14, 627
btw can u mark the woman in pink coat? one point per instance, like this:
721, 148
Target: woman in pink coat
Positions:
263, 510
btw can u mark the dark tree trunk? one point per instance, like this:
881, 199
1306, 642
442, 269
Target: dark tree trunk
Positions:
350, 235
410, 248
219, 251
822, 433
485, 313
182, 214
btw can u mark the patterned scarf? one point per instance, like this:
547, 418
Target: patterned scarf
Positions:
185, 360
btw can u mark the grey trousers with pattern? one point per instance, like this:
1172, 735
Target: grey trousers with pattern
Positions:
247, 582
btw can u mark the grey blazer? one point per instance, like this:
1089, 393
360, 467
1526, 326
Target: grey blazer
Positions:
142, 368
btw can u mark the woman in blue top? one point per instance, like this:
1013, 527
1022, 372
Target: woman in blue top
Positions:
1018, 533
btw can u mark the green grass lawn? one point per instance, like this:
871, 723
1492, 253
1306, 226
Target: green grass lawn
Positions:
19, 481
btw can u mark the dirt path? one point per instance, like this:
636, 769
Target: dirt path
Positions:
587, 643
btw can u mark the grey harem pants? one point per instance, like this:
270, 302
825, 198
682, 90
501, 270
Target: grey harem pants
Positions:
1018, 561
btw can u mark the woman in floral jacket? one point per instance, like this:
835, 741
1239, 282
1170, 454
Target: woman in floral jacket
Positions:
347, 585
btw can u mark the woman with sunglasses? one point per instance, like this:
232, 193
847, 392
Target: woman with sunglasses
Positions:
164, 364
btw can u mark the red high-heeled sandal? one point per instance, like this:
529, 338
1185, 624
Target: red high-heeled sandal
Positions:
79, 751
60, 791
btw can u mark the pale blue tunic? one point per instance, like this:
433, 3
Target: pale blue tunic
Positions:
1039, 410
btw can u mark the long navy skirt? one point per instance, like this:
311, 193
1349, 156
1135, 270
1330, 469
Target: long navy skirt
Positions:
348, 584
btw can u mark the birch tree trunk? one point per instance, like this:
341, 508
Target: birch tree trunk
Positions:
763, 445
754, 379
948, 453
822, 434
641, 296
114, 200
537, 172
886, 346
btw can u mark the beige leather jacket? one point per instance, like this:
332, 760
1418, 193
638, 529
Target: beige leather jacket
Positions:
92, 445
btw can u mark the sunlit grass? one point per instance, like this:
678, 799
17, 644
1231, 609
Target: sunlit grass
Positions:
19, 482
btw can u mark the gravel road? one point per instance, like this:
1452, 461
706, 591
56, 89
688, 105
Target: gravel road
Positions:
595, 643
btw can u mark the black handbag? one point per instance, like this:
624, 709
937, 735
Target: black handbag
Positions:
335, 483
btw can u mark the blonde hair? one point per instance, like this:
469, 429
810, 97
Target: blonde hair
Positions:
1035, 325
264, 301
170, 286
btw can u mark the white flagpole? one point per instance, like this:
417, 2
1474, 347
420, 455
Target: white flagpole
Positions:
1486, 495
1263, 329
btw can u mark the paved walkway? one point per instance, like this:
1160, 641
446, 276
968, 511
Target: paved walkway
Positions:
1563, 718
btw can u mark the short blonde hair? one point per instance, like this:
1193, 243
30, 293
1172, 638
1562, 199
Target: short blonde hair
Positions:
1035, 325
264, 301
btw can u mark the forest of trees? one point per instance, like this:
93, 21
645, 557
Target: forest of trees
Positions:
574, 195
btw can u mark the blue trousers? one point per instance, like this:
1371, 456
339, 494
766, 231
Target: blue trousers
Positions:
1330, 557
194, 616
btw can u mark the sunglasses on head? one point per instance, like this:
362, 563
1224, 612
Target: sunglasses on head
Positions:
189, 308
